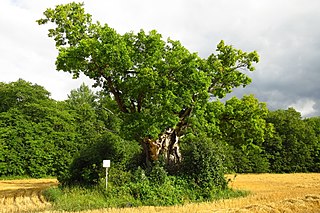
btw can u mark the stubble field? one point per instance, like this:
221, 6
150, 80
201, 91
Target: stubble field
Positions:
24, 195
269, 193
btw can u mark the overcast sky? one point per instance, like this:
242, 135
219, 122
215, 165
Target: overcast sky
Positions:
286, 34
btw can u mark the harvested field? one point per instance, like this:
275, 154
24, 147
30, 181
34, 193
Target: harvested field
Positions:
24, 195
270, 193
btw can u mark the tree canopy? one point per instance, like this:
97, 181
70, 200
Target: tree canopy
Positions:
155, 83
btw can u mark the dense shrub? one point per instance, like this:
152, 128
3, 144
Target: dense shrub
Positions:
203, 162
86, 168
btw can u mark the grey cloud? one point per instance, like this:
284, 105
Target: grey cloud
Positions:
290, 68
285, 33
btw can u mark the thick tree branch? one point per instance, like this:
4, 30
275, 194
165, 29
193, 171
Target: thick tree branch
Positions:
140, 99
132, 106
184, 114
111, 87
116, 94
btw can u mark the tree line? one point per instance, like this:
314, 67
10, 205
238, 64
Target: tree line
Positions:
40, 136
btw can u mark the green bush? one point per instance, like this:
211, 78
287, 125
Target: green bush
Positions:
158, 174
203, 162
86, 169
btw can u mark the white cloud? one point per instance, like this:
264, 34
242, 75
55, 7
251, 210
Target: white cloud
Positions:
285, 33
26, 52
304, 106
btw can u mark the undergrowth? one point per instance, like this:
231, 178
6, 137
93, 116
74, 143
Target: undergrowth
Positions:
199, 178
142, 191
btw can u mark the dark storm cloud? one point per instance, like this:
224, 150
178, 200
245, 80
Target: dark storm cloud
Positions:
289, 71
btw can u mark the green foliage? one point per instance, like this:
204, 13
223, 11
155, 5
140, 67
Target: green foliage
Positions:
52, 194
17, 94
151, 80
81, 102
244, 127
295, 146
140, 191
239, 128
224, 69
314, 124
35, 133
151, 193
86, 169
203, 162
75, 198
158, 174
40, 137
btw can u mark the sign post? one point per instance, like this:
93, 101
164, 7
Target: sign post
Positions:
106, 164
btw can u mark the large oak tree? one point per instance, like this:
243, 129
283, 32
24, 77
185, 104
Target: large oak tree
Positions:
155, 83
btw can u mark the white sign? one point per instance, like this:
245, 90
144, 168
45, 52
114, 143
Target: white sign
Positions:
106, 163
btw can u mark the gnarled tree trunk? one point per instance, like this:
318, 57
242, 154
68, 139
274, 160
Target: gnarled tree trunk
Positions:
167, 145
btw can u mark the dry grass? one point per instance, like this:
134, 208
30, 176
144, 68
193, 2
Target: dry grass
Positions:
270, 193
